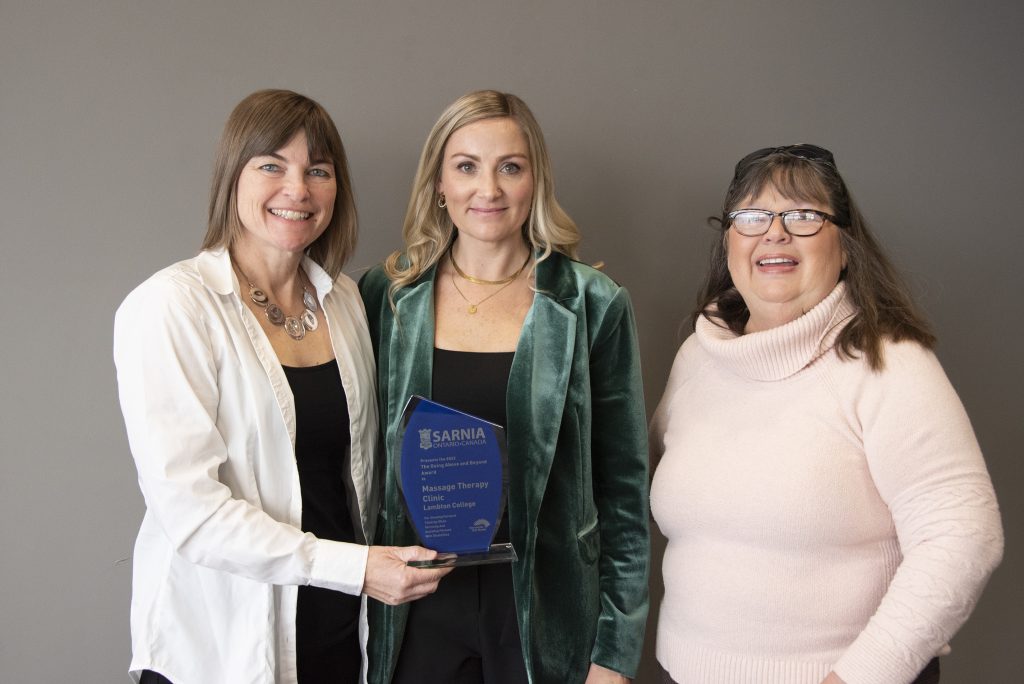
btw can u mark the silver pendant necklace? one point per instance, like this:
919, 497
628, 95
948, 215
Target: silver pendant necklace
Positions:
295, 326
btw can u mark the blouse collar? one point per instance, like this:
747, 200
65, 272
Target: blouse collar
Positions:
218, 275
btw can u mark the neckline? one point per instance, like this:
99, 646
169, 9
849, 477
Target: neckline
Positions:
458, 351
306, 369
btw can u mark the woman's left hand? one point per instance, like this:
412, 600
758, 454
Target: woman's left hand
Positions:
602, 675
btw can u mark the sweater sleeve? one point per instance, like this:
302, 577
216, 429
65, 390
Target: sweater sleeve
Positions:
170, 398
928, 468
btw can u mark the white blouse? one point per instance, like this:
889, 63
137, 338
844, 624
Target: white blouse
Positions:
211, 424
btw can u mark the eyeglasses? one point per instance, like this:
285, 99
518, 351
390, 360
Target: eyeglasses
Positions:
799, 222
803, 151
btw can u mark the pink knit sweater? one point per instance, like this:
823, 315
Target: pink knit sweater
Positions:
820, 516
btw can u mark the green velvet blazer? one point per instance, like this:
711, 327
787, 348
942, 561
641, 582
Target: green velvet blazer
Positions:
577, 447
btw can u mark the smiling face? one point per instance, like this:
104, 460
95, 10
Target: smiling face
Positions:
779, 276
487, 180
285, 200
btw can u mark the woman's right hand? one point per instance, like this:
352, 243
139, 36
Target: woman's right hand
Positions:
391, 580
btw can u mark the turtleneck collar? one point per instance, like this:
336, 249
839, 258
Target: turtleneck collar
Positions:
780, 352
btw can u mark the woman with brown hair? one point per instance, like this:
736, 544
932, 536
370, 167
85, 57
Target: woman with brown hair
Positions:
246, 382
828, 513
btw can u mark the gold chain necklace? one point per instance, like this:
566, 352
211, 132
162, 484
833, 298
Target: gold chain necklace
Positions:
481, 281
473, 308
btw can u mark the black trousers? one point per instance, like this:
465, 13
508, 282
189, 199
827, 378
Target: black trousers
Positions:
464, 633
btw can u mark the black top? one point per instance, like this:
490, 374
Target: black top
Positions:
326, 622
474, 383
321, 444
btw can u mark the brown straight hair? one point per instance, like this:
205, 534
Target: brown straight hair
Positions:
263, 123
884, 308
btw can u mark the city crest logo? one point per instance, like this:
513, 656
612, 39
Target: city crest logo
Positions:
452, 438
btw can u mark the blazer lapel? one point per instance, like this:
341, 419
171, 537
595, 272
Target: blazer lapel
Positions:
536, 396
411, 355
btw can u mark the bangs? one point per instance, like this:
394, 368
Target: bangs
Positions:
320, 139
793, 179
270, 138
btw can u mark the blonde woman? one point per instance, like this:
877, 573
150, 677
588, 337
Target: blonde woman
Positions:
486, 310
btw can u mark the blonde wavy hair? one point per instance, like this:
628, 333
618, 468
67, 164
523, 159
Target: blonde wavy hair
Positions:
428, 230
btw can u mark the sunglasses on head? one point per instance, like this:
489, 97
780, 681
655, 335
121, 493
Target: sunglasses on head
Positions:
803, 151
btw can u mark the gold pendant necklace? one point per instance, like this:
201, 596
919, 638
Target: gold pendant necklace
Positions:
474, 307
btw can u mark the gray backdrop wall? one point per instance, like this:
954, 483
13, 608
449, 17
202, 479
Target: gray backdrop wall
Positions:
111, 109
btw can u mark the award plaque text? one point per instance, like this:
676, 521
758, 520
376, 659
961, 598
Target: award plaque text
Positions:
452, 476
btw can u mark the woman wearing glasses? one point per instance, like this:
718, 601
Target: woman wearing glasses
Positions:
828, 512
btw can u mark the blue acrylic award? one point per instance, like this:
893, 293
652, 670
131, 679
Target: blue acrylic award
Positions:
451, 472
